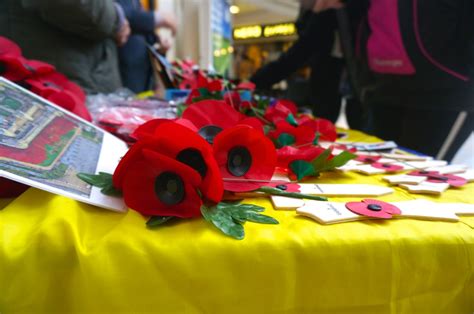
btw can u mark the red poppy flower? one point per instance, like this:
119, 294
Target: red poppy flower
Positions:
212, 116
215, 86
288, 104
280, 111
148, 128
252, 122
373, 208
287, 154
325, 128
368, 158
436, 177
246, 86
9, 47
212, 112
303, 118
16, 68
186, 147
154, 184
285, 186
301, 134
246, 158
387, 167
58, 89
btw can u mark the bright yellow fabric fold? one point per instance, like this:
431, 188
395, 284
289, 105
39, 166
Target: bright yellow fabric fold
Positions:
58, 255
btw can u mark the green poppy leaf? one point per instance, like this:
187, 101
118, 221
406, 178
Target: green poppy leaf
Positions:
156, 221
302, 169
285, 139
223, 220
291, 120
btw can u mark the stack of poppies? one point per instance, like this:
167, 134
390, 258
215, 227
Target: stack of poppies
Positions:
219, 146
42, 79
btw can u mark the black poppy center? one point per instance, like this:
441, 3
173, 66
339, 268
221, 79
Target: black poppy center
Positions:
374, 207
386, 166
193, 158
424, 172
3, 67
29, 68
368, 159
169, 187
209, 132
441, 178
282, 187
50, 84
239, 161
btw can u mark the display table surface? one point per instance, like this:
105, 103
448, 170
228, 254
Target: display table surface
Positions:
58, 255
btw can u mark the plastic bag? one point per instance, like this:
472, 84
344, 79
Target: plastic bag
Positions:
121, 113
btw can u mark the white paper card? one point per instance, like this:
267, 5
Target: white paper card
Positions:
426, 188
45, 146
421, 164
331, 212
404, 179
468, 175
344, 189
450, 169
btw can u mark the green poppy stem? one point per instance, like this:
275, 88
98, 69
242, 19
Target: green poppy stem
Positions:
278, 192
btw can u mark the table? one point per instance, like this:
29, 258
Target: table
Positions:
58, 255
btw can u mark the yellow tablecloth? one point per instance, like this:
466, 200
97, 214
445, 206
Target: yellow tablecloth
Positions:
61, 256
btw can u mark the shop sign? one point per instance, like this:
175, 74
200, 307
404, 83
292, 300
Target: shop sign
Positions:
264, 31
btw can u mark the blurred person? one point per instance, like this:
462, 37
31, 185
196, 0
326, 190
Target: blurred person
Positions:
416, 66
135, 66
77, 37
317, 46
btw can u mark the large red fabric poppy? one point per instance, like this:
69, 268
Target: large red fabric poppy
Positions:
288, 154
373, 208
246, 158
178, 142
301, 134
154, 184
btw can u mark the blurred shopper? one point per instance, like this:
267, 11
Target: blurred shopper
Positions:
318, 47
75, 36
420, 57
135, 65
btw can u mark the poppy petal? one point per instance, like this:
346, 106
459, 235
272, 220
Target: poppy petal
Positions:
367, 158
362, 209
139, 191
387, 207
387, 167
260, 148
185, 139
212, 112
